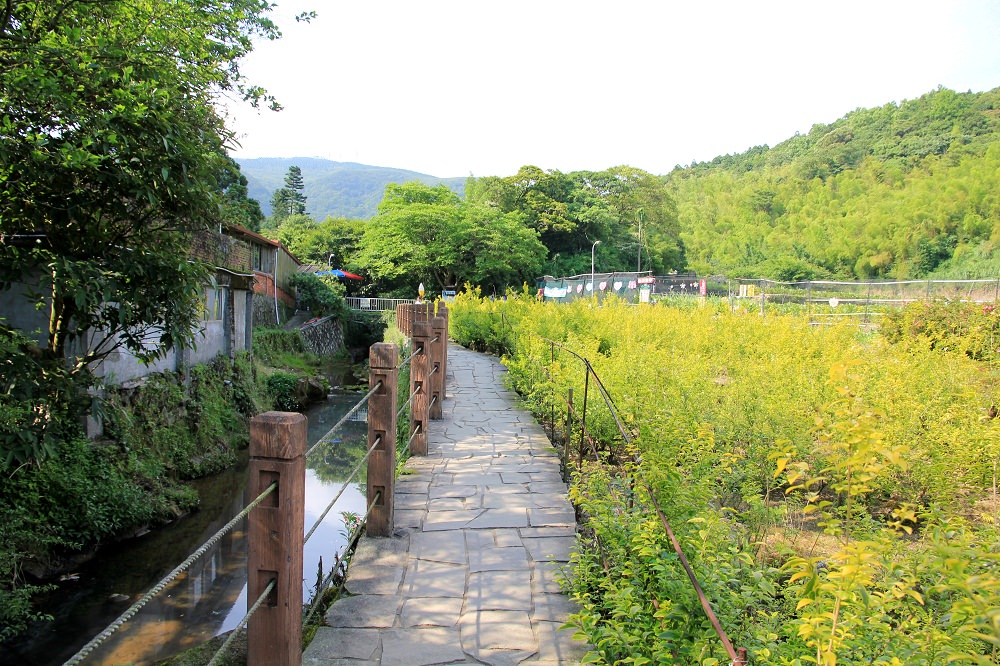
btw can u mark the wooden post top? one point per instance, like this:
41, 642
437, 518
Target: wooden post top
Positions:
383, 355
421, 329
280, 435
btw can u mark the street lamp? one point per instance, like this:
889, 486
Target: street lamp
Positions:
592, 248
329, 262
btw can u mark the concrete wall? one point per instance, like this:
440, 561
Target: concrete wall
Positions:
208, 344
17, 311
120, 367
226, 336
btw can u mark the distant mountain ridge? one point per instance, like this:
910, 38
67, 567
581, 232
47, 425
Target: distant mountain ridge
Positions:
332, 189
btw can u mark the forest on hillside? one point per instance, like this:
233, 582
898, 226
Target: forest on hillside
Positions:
906, 190
900, 191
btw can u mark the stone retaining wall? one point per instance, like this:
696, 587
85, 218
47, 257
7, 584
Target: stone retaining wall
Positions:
323, 337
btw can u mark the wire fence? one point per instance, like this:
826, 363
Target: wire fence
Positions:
825, 301
822, 300
609, 455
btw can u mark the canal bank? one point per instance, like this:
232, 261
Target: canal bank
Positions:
210, 598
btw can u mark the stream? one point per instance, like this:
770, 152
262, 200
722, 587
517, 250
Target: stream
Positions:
211, 597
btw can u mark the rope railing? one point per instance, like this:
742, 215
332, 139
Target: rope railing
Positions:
351, 539
419, 350
95, 642
242, 623
738, 657
357, 468
343, 420
409, 401
418, 429
281, 450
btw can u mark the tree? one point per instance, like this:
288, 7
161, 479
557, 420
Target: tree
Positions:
289, 199
333, 241
427, 234
111, 150
571, 211
237, 207
322, 296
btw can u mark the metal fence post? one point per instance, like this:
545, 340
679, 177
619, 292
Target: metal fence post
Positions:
567, 433
383, 363
436, 380
419, 369
583, 420
275, 534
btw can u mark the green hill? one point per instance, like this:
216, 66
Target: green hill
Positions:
333, 189
904, 190
900, 191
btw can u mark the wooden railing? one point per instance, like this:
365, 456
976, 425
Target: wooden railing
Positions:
278, 450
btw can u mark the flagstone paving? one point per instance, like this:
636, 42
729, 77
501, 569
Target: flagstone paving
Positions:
482, 528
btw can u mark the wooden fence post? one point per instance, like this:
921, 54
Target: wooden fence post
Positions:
442, 312
383, 363
419, 369
275, 534
401, 318
439, 332
420, 312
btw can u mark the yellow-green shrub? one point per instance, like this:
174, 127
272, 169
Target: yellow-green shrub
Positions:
721, 406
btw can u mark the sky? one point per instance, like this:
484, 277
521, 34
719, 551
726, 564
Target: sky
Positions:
454, 88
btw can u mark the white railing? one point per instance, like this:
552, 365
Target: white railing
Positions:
375, 304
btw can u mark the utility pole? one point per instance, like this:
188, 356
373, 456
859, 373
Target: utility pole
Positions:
641, 214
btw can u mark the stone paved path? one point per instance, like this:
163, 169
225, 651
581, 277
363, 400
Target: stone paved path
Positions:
482, 526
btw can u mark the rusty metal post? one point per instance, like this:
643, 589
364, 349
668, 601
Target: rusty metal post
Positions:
741, 657
438, 334
552, 417
420, 367
583, 420
567, 433
275, 535
383, 363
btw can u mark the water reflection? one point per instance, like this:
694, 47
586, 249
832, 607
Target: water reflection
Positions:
210, 598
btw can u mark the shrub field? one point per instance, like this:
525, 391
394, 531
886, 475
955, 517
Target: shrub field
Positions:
833, 488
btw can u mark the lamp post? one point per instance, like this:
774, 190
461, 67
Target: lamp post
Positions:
592, 248
329, 262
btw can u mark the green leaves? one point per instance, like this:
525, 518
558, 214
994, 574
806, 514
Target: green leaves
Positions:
833, 494
427, 234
